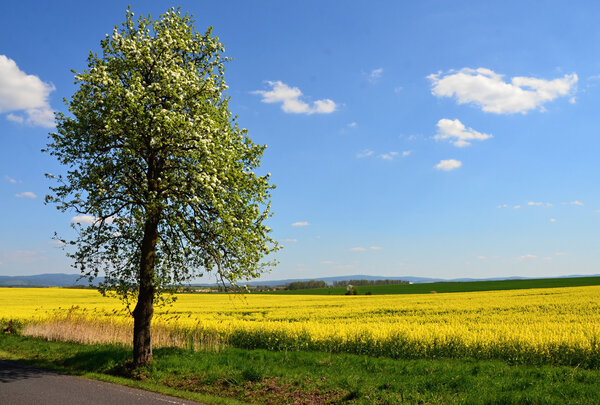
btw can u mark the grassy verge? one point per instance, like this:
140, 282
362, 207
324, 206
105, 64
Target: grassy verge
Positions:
260, 376
451, 286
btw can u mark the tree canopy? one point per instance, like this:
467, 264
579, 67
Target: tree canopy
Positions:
159, 173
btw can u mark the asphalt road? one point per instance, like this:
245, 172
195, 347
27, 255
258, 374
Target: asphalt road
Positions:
22, 385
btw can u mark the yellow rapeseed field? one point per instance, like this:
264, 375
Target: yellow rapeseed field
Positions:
559, 325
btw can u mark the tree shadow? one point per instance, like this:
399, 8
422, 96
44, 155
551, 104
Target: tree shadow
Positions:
99, 360
11, 371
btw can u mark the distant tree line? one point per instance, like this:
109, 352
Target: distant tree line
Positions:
303, 285
344, 283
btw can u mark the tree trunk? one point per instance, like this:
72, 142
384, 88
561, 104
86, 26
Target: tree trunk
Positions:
144, 309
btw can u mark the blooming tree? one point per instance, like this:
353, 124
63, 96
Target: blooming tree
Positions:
158, 165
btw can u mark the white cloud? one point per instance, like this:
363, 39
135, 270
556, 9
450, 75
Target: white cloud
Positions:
300, 223
15, 118
560, 254
56, 243
528, 256
398, 89
327, 262
21, 93
547, 259
458, 134
289, 97
11, 180
488, 90
357, 249
388, 156
83, 219
539, 204
291, 240
350, 126
26, 194
578, 203
364, 153
552, 219
375, 75
376, 248
90, 219
449, 164
385, 156
529, 204
325, 106
481, 257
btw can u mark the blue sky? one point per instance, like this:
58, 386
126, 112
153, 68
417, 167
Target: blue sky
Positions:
428, 138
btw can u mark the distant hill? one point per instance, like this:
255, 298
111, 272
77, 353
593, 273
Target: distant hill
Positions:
44, 280
411, 279
330, 280
70, 280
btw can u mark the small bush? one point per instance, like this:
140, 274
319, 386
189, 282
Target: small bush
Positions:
252, 374
11, 326
351, 290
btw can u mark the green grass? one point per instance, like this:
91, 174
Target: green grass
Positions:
449, 287
262, 376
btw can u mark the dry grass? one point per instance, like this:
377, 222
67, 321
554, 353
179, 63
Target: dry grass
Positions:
81, 329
